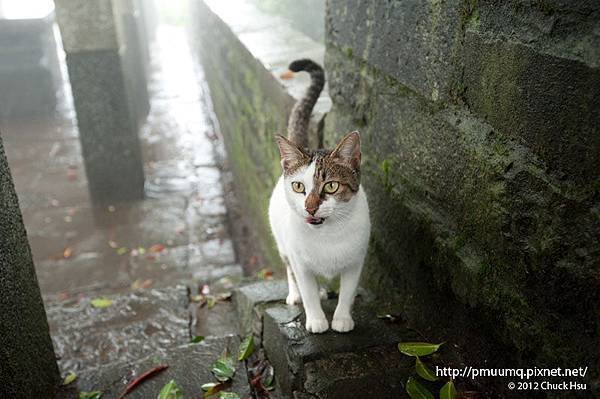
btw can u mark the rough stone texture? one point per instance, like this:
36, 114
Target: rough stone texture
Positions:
243, 59
189, 365
417, 48
251, 301
484, 201
363, 363
87, 28
27, 364
135, 325
109, 141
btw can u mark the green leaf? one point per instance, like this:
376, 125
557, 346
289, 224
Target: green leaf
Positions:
418, 348
448, 391
90, 395
211, 301
228, 395
197, 339
417, 391
101, 303
208, 386
424, 371
69, 378
170, 391
224, 368
246, 348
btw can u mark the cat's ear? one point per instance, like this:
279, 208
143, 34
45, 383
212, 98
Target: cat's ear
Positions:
290, 153
348, 150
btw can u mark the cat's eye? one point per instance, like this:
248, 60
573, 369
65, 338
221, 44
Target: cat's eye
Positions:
298, 187
331, 187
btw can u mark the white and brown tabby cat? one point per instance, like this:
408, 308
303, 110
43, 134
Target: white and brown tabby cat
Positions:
319, 213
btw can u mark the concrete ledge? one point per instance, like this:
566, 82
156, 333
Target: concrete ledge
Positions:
335, 365
252, 300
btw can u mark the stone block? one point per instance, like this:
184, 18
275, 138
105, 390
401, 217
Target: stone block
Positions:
550, 103
336, 365
251, 301
28, 362
417, 49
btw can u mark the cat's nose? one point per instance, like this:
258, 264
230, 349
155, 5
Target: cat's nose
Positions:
312, 210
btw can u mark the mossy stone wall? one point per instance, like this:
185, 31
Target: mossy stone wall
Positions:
480, 122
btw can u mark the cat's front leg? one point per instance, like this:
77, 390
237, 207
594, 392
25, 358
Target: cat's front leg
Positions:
342, 317
293, 297
316, 321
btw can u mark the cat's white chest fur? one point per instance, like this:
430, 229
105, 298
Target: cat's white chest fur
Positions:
326, 249
336, 247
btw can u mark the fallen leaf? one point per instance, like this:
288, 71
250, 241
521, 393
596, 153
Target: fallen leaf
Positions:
418, 348
68, 252
157, 248
142, 284
122, 251
265, 274
170, 391
197, 339
211, 301
90, 395
224, 368
287, 75
417, 391
69, 378
101, 303
63, 295
389, 317
224, 296
424, 371
267, 378
246, 348
141, 250
448, 391
142, 377
212, 388
197, 298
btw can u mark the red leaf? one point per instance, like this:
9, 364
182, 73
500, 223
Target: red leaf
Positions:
145, 375
156, 248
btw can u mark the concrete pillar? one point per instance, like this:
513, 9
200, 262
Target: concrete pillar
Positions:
134, 55
106, 115
27, 362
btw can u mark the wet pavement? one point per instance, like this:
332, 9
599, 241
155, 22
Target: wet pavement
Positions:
148, 257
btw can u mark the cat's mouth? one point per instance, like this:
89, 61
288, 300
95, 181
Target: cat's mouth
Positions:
314, 221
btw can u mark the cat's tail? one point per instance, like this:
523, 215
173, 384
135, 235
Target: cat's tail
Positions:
300, 116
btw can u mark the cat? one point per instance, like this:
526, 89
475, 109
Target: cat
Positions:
319, 213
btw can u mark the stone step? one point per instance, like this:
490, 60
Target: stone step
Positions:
189, 365
362, 363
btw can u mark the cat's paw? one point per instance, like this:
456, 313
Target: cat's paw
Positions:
293, 299
317, 325
342, 324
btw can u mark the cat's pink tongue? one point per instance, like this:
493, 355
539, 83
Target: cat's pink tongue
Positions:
313, 220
